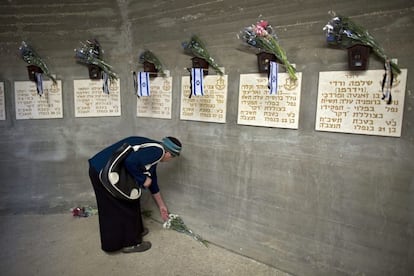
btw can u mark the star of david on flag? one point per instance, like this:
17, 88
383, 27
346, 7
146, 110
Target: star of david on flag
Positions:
273, 71
197, 81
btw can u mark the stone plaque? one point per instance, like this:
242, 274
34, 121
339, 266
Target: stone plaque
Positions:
351, 102
257, 107
29, 105
211, 107
91, 101
158, 104
2, 103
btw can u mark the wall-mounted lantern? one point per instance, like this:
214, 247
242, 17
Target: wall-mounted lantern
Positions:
150, 68
95, 72
200, 63
32, 71
263, 60
358, 57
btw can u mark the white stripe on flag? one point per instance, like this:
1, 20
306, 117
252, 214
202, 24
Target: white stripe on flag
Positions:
197, 81
39, 83
105, 80
143, 84
274, 69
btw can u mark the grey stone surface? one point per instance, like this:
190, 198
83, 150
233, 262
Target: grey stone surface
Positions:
306, 202
60, 244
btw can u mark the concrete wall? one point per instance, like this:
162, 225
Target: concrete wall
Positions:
307, 202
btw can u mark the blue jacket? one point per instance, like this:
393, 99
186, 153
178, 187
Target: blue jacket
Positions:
135, 161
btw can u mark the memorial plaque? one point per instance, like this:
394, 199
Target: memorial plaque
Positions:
29, 105
351, 102
158, 104
91, 101
257, 107
2, 103
211, 107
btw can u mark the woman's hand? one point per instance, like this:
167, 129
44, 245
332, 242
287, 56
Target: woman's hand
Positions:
161, 205
164, 213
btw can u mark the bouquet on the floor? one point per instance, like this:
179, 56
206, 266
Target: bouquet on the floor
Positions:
84, 211
197, 48
262, 36
175, 222
91, 52
343, 32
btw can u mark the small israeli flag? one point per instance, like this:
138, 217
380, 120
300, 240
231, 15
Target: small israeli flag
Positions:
105, 82
197, 81
273, 71
143, 84
39, 83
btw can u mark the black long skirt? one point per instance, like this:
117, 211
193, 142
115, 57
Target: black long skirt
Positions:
120, 222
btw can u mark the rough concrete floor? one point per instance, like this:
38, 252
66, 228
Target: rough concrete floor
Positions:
60, 244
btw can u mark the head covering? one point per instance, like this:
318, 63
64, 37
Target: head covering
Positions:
172, 145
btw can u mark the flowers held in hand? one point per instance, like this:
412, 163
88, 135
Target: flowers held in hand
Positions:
343, 32
197, 48
148, 56
262, 37
29, 55
90, 52
175, 222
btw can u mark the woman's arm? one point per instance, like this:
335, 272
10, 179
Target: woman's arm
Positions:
161, 205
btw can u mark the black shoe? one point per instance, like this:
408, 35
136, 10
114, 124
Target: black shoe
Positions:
144, 246
145, 232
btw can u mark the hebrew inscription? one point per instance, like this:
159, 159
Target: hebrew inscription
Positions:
257, 107
29, 105
351, 102
158, 104
91, 101
208, 108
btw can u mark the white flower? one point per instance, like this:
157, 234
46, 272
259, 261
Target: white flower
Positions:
167, 224
328, 28
176, 223
172, 216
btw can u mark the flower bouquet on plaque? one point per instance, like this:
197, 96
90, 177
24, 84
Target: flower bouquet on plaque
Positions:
36, 67
91, 52
197, 48
262, 37
343, 32
175, 222
29, 55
